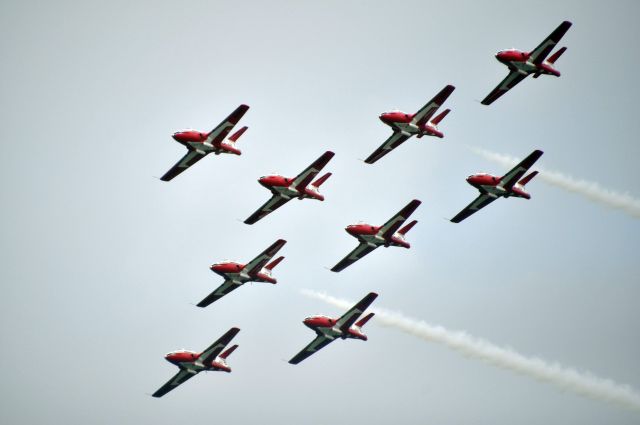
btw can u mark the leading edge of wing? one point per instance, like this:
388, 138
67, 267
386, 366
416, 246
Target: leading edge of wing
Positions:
395, 140
509, 82
476, 205
349, 318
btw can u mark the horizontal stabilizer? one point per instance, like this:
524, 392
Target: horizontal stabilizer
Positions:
229, 351
360, 323
528, 178
321, 180
274, 263
556, 55
235, 136
408, 227
440, 117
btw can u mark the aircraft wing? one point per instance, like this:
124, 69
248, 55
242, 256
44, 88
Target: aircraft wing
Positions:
275, 202
505, 85
539, 54
222, 290
179, 378
359, 252
508, 180
303, 179
426, 112
320, 342
392, 226
218, 134
480, 202
349, 318
395, 140
210, 354
255, 265
187, 161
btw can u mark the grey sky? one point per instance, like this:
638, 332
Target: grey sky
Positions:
101, 260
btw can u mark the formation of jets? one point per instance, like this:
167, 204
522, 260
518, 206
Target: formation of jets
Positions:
307, 185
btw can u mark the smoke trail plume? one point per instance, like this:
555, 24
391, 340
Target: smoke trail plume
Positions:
582, 383
592, 191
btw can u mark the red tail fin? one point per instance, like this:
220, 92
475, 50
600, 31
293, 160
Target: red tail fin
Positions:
235, 136
408, 227
554, 57
274, 263
528, 178
360, 323
228, 352
321, 180
439, 118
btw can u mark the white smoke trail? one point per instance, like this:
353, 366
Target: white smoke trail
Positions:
593, 191
582, 383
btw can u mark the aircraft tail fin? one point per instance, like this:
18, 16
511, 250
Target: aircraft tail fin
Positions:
554, 57
274, 263
321, 180
360, 323
235, 136
440, 117
408, 227
229, 351
527, 178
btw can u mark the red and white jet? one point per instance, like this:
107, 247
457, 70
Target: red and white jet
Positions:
522, 64
191, 363
406, 125
492, 188
329, 329
285, 189
371, 237
201, 144
236, 274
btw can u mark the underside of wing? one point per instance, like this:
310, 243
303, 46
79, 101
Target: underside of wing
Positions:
395, 140
426, 112
187, 161
539, 54
349, 318
218, 134
210, 354
480, 202
359, 252
179, 378
315, 345
393, 224
261, 260
275, 202
508, 180
220, 292
304, 178
505, 85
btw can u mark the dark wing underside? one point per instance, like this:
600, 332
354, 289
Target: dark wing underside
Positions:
359, 252
179, 378
220, 292
317, 344
275, 202
395, 140
505, 85
187, 161
480, 202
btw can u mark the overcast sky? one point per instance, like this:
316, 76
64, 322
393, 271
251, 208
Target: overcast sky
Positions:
102, 261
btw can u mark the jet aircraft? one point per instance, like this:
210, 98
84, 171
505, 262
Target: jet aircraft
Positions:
329, 329
492, 187
192, 363
284, 189
200, 144
522, 64
236, 274
371, 237
406, 125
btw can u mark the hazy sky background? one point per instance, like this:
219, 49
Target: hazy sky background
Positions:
101, 261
